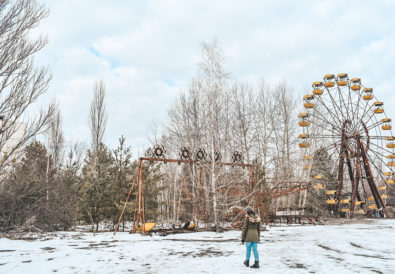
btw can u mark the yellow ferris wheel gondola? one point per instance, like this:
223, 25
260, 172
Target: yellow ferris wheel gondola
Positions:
378, 107
329, 80
304, 143
355, 84
308, 101
342, 79
318, 177
386, 124
390, 142
303, 122
389, 175
367, 94
319, 186
317, 88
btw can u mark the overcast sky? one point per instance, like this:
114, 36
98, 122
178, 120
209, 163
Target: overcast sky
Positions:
147, 51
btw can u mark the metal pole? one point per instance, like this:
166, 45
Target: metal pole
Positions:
142, 198
377, 198
356, 181
126, 202
135, 203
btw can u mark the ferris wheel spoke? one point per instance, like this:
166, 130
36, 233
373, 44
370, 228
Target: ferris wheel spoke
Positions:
370, 117
344, 102
365, 110
357, 125
325, 128
356, 109
356, 104
336, 120
335, 151
384, 149
377, 137
351, 106
349, 101
322, 118
377, 168
324, 136
377, 123
380, 156
335, 105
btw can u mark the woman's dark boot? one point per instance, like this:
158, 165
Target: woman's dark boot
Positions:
255, 265
247, 263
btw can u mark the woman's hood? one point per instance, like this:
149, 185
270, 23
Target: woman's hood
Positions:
254, 218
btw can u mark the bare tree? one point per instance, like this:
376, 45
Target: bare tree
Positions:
214, 83
21, 83
283, 119
98, 116
243, 114
186, 130
56, 139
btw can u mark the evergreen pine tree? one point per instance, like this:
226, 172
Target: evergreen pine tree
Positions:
322, 165
124, 172
95, 191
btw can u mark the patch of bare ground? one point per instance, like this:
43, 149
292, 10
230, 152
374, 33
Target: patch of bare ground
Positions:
371, 256
204, 252
335, 258
48, 248
330, 249
345, 221
31, 236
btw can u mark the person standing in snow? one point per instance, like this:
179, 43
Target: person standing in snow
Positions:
250, 235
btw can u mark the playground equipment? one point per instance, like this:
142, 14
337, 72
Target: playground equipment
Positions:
186, 157
340, 117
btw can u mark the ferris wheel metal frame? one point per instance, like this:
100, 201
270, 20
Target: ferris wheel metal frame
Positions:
340, 118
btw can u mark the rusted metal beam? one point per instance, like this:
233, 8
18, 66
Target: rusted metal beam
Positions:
192, 162
343, 152
377, 198
126, 202
142, 200
136, 199
279, 194
355, 182
340, 177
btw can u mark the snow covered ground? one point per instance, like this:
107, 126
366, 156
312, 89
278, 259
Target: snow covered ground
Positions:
351, 248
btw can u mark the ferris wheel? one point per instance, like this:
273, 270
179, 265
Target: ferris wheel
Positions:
343, 118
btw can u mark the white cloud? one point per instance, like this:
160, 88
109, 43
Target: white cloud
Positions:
146, 51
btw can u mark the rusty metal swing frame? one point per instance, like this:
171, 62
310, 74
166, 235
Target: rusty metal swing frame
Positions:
139, 213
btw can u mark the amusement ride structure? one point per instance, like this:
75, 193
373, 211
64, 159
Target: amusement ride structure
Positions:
344, 118
199, 158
